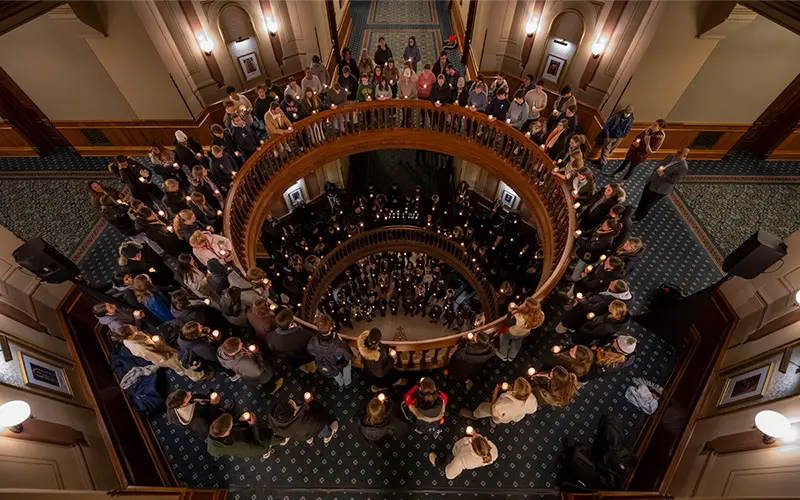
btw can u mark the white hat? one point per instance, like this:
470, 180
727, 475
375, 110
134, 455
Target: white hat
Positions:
180, 136
626, 344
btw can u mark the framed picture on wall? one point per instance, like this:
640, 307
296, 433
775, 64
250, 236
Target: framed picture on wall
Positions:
553, 68
250, 67
43, 375
296, 197
746, 386
509, 199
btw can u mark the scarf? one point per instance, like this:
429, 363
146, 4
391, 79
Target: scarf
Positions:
552, 138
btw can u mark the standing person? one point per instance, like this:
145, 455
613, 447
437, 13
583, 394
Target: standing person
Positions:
427, 404
412, 53
116, 214
536, 99
289, 341
222, 137
470, 452
557, 141
470, 357
302, 422
349, 82
202, 183
138, 178
242, 438
500, 84
538, 131
460, 95
616, 128
507, 408
425, 81
392, 73
646, 143
571, 116
97, 191
669, 172
310, 82
157, 352
244, 137
174, 197
407, 86
598, 279
261, 106
378, 361
599, 205
379, 423
149, 224
577, 360
383, 53
441, 91
440, 65
518, 111
590, 248
630, 253
556, 387
222, 166
192, 278
477, 98
113, 317
518, 325
135, 258
164, 164
151, 298
194, 411
195, 346
564, 100
185, 224
600, 328
257, 367
498, 107
365, 64
331, 355
275, 121
207, 216
292, 89
261, 319
366, 91
243, 105
595, 303
318, 69
349, 63
188, 152
207, 246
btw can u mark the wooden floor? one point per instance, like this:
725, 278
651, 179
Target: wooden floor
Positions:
414, 327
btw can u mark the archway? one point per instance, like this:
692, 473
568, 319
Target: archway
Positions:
561, 46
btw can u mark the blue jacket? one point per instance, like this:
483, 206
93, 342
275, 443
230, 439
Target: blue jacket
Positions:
618, 126
498, 108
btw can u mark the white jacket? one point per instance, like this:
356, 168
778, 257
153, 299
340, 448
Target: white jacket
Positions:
510, 410
466, 459
219, 248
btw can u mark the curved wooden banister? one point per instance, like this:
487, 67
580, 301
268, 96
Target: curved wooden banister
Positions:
409, 124
396, 239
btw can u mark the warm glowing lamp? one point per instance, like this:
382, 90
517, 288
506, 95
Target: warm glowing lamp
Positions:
532, 25
773, 425
272, 25
13, 414
205, 43
599, 46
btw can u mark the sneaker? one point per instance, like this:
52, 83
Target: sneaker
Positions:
497, 353
267, 454
375, 388
432, 458
402, 381
310, 441
234, 378
468, 414
470, 384
284, 442
278, 385
334, 428
561, 328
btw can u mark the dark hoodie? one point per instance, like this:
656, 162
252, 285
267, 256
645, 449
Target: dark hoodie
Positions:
218, 281
631, 259
391, 427
600, 329
309, 420
290, 344
203, 314
244, 441
377, 363
468, 359
191, 351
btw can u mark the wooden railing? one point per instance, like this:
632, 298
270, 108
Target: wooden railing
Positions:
410, 124
397, 239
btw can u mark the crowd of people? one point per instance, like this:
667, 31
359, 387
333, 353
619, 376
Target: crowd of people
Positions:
180, 304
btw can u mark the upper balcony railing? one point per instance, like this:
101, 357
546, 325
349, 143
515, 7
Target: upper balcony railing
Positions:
406, 124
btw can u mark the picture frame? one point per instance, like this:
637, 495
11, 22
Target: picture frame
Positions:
509, 199
553, 68
249, 65
296, 197
746, 386
41, 374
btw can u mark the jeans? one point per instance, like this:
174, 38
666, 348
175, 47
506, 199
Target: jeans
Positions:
345, 378
325, 432
510, 346
609, 145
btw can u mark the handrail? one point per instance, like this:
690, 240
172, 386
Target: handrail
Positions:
397, 239
402, 123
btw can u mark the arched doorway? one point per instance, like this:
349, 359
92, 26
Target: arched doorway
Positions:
241, 41
561, 46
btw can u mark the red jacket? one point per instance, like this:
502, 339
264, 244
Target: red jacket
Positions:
637, 152
410, 398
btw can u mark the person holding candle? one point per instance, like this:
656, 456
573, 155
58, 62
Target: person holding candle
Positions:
238, 438
589, 249
208, 217
613, 356
117, 215
662, 181
149, 223
470, 452
646, 143
366, 90
478, 100
135, 259
188, 152
382, 53
571, 116
318, 69
138, 178
498, 106
201, 182
557, 141
243, 105
596, 303
196, 346
206, 245
578, 360
630, 252
425, 82
158, 352
194, 411
556, 387
407, 85
365, 64
460, 93
538, 131
508, 407
187, 310
613, 268
392, 74
518, 111
536, 99
411, 53
302, 422
151, 298
256, 367
222, 167
114, 317
519, 323
440, 93
427, 404
289, 341
310, 82
378, 361
467, 361
500, 84
262, 319
349, 65
244, 137
614, 131
331, 354
379, 423
175, 198
349, 82
599, 205
601, 327
291, 107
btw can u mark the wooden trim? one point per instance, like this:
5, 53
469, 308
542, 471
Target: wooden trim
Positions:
185, 493
21, 316
775, 325
42, 431
738, 443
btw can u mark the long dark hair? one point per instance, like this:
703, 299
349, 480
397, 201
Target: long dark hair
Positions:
376, 412
428, 394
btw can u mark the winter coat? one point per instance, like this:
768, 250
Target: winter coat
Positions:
377, 363
413, 54
331, 354
596, 303
307, 423
290, 344
466, 459
201, 313
187, 155
600, 329
468, 359
440, 93
590, 249
596, 212
392, 427
598, 279
204, 413
175, 201
214, 250
510, 410
352, 64
245, 441
118, 217
196, 351
256, 367
157, 231
382, 56
617, 127
222, 169
631, 259
245, 139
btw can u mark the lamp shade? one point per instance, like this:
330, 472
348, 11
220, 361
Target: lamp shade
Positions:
14, 413
773, 424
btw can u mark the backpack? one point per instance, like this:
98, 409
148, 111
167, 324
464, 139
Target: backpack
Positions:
230, 301
327, 366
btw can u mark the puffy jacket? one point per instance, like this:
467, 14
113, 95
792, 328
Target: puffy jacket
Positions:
600, 329
309, 420
377, 363
509, 410
466, 459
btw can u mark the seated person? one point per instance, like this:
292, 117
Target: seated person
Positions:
194, 411
242, 438
577, 360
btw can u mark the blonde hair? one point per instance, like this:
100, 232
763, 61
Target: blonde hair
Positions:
197, 239
605, 357
617, 309
122, 260
198, 199
482, 448
531, 312
522, 389
562, 387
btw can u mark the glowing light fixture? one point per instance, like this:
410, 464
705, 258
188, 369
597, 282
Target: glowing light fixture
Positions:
532, 26
13, 414
773, 425
272, 25
205, 43
599, 46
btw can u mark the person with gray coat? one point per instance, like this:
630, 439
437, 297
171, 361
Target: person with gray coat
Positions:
668, 173
248, 363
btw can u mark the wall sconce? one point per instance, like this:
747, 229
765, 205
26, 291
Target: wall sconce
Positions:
773, 425
13, 414
599, 46
797, 298
532, 26
205, 43
272, 25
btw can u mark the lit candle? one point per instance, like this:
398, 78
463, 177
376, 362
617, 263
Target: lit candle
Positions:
381, 397
198, 155
273, 307
577, 205
161, 213
290, 129
175, 164
233, 172
470, 430
119, 202
470, 336
542, 147
209, 228
252, 348
491, 117
438, 103
333, 106
392, 353
531, 371
138, 314
238, 153
505, 386
151, 270
308, 396
578, 233
142, 179
579, 296
156, 339
590, 316
508, 120
556, 349
424, 85
188, 198
527, 134
246, 415
575, 192
589, 268
213, 396
219, 212
215, 333
261, 141
603, 257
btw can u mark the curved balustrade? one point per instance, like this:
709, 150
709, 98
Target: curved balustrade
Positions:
410, 124
396, 239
